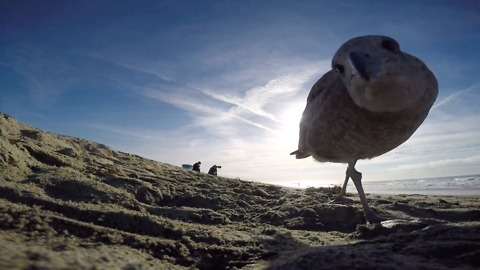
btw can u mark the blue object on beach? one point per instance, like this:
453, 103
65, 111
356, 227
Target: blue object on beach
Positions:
187, 166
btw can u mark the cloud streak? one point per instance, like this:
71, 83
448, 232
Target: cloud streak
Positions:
210, 108
456, 96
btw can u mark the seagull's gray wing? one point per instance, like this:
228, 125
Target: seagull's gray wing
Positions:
320, 91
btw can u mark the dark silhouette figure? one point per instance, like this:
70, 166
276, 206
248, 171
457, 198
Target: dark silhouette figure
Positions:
196, 166
213, 170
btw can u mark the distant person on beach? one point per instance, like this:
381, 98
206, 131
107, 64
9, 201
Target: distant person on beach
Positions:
213, 170
196, 166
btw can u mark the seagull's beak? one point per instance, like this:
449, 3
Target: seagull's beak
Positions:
364, 65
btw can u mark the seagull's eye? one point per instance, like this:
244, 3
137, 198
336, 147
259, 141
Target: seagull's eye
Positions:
339, 68
390, 45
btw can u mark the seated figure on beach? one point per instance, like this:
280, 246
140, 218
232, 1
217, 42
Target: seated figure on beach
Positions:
213, 170
196, 166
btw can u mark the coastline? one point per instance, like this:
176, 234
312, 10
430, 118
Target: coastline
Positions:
465, 185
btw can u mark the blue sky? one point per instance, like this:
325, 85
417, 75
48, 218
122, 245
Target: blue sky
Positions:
225, 82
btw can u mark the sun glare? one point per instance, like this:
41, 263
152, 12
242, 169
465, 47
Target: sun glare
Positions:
290, 119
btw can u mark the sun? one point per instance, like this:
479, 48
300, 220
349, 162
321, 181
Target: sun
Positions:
290, 120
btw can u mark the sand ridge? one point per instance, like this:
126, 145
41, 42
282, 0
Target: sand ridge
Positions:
69, 203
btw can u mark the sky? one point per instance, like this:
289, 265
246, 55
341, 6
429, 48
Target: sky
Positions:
225, 82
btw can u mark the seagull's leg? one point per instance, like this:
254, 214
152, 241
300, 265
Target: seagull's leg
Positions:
341, 196
357, 180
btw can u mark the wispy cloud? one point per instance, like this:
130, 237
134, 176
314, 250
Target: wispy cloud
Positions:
257, 98
208, 107
456, 95
122, 131
36, 68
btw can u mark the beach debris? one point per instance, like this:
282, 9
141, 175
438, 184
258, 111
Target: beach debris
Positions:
67, 152
32, 134
14, 141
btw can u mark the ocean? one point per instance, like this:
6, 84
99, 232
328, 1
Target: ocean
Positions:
468, 185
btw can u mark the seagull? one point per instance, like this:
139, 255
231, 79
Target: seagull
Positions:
371, 101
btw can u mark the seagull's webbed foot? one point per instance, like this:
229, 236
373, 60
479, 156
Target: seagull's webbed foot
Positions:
341, 199
357, 180
372, 218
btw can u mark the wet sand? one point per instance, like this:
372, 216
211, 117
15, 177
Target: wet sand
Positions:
69, 203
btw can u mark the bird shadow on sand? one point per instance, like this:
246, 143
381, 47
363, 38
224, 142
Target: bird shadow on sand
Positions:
438, 234
434, 247
446, 215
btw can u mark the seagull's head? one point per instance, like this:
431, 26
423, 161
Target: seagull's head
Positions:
379, 76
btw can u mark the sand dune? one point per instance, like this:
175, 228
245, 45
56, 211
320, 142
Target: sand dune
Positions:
69, 203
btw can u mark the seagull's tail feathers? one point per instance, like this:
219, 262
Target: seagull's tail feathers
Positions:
299, 154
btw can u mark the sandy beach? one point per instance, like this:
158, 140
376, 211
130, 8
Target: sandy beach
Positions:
69, 203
